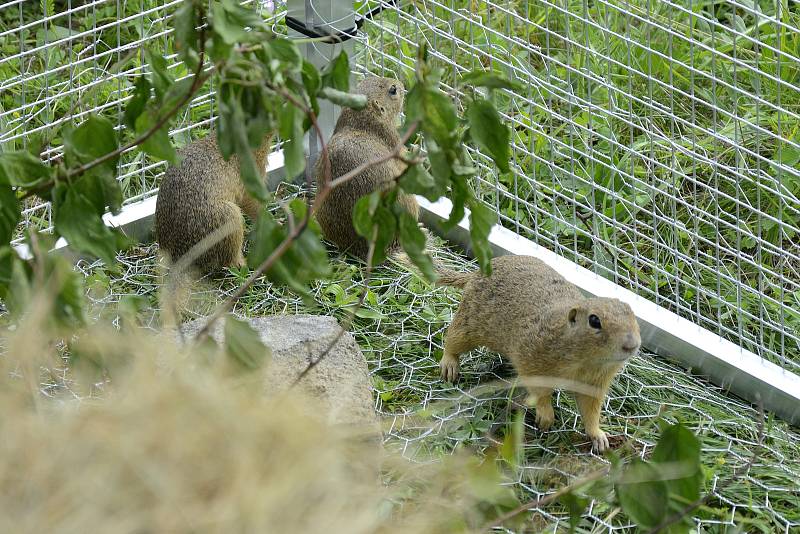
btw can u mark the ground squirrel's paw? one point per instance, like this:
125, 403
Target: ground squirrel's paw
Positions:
599, 441
545, 418
449, 367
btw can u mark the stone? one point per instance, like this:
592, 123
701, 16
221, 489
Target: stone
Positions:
340, 381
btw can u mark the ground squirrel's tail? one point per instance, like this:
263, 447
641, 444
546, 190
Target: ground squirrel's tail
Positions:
452, 278
445, 276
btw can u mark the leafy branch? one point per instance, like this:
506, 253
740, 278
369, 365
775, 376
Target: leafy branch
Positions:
263, 86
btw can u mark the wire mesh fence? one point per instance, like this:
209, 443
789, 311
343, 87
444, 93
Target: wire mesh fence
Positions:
655, 142
401, 332
64, 60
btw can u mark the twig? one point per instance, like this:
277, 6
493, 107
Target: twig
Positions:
265, 265
537, 503
346, 326
395, 154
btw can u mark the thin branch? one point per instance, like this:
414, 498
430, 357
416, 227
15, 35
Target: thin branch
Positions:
346, 326
538, 503
265, 265
395, 154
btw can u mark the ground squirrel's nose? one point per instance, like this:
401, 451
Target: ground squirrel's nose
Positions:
631, 342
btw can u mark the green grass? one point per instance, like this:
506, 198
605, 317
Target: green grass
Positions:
648, 155
660, 159
401, 332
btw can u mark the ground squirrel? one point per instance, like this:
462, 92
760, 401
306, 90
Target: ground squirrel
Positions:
552, 334
201, 195
361, 136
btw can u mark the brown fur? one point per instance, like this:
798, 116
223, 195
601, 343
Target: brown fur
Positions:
529, 313
361, 136
201, 195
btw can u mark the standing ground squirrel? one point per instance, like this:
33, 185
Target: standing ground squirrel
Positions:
552, 334
361, 136
201, 195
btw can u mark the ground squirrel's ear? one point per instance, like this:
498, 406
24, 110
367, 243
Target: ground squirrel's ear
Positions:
573, 313
378, 107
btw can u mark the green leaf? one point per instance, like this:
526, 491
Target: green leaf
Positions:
8, 260
252, 177
305, 260
366, 313
287, 52
91, 140
158, 145
412, 239
336, 74
348, 100
230, 32
679, 445
489, 132
161, 78
243, 344
77, 220
220, 51
790, 156
311, 78
459, 194
441, 168
22, 169
362, 213
15, 274
137, 103
577, 506
229, 20
9, 213
642, 495
186, 34
70, 304
481, 220
435, 112
175, 94
480, 78
417, 181
511, 447
370, 214
291, 131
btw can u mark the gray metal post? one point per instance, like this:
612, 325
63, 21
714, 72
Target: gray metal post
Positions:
328, 17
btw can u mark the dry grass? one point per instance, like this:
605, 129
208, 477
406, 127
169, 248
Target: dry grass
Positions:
164, 443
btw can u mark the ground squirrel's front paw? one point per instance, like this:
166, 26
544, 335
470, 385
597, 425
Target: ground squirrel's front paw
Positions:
449, 367
545, 418
599, 441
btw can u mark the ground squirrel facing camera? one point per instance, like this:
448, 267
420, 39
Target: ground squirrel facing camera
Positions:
361, 136
201, 195
552, 334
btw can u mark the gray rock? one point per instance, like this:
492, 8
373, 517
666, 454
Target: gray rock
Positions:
340, 381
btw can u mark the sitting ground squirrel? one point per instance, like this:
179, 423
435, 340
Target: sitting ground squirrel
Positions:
361, 136
551, 333
200, 196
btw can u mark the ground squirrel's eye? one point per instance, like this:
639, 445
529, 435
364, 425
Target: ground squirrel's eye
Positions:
594, 322
393, 90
